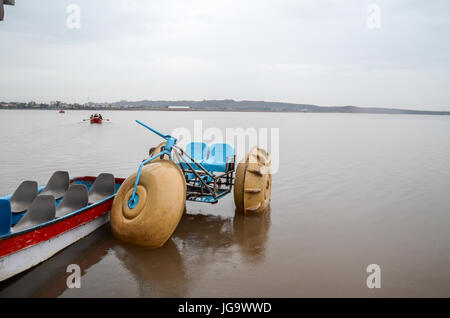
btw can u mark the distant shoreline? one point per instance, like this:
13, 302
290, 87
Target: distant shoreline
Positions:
428, 113
227, 105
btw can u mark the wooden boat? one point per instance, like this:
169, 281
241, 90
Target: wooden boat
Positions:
96, 120
56, 216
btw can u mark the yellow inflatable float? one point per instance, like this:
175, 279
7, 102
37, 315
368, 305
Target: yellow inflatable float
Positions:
162, 195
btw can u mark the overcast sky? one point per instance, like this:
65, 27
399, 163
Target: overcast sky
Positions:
315, 51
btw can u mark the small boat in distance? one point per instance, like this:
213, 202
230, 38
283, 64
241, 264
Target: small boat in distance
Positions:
96, 119
38, 222
62, 111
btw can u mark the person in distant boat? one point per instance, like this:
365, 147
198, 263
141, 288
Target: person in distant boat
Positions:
151, 151
100, 116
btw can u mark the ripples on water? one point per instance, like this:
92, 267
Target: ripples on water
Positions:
352, 190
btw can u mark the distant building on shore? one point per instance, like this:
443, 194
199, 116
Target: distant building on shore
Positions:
178, 107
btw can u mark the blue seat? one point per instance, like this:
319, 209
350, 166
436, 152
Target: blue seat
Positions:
220, 155
198, 151
5, 217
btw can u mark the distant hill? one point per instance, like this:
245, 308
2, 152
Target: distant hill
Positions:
261, 106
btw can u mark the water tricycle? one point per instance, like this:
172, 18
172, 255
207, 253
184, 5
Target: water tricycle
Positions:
150, 203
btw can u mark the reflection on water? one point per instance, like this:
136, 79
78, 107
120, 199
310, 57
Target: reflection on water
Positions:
49, 278
163, 272
251, 234
158, 271
216, 235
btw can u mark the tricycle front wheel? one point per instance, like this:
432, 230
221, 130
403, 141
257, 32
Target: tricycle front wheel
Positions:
161, 197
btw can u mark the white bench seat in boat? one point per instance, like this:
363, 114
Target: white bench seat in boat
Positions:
75, 199
57, 185
41, 210
23, 196
104, 186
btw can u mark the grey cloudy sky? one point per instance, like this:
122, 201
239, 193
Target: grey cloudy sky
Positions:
314, 51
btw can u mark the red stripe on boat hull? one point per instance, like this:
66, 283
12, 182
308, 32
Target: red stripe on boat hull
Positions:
16, 243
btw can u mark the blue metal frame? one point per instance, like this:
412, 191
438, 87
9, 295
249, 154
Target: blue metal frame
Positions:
170, 142
207, 191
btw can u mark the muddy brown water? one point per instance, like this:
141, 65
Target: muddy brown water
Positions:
351, 190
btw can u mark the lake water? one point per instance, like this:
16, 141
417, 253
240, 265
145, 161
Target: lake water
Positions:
351, 190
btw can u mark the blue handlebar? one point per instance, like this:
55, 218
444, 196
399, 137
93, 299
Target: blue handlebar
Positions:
166, 137
170, 142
